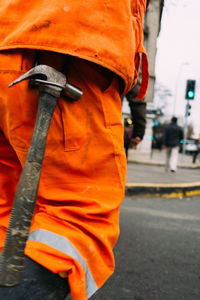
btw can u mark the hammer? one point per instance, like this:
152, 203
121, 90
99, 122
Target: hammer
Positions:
51, 85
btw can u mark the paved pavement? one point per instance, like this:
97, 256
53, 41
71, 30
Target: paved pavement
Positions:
157, 254
157, 157
146, 175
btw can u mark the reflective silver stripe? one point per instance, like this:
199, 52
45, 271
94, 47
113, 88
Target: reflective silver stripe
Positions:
62, 244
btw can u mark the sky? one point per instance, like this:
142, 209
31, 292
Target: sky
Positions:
178, 59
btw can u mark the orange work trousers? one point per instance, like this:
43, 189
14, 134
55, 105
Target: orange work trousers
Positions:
76, 219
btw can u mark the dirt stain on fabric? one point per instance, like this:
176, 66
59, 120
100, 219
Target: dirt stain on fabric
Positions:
45, 24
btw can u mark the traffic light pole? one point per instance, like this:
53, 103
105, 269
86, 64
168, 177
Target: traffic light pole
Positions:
185, 126
189, 95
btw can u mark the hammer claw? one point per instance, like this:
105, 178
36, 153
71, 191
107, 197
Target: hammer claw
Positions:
36, 72
53, 82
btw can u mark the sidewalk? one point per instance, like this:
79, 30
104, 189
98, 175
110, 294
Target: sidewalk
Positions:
158, 158
146, 176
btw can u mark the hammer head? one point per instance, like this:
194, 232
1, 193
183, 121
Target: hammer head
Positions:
50, 81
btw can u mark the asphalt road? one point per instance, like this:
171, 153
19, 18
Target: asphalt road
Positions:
158, 252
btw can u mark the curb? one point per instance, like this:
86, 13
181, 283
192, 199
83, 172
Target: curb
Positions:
163, 190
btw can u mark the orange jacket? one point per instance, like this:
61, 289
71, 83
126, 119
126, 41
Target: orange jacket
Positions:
107, 32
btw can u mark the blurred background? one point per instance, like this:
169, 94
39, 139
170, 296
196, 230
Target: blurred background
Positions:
172, 41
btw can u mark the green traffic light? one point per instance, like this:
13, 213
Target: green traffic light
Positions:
190, 89
190, 94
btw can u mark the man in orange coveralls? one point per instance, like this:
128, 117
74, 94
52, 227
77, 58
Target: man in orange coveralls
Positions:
76, 220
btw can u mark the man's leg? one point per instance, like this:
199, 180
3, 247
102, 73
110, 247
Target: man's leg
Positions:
174, 159
76, 220
39, 283
168, 154
10, 169
195, 154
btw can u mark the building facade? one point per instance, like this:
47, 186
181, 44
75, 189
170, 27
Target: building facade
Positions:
151, 30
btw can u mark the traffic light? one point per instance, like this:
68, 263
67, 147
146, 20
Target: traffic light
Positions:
187, 110
190, 89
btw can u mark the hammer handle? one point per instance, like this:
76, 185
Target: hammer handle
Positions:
12, 257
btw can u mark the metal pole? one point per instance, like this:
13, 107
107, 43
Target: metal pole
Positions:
185, 127
177, 85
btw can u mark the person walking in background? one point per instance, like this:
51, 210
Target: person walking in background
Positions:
172, 136
196, 153
127, 135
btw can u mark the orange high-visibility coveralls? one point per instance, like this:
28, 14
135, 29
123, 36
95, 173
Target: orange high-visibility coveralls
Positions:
76, 220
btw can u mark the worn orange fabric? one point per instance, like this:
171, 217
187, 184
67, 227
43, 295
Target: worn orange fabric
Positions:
76, 221
107, 32
75, 224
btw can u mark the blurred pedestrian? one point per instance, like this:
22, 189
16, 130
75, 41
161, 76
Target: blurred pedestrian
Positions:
127, 135
195, 154
172, 136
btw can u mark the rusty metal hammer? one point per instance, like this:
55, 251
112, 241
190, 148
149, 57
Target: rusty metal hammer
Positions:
51, 85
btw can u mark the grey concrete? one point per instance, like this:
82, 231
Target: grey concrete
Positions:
157, 255
146, 173
157, 157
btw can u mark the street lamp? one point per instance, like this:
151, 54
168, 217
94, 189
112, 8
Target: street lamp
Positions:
177, 82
